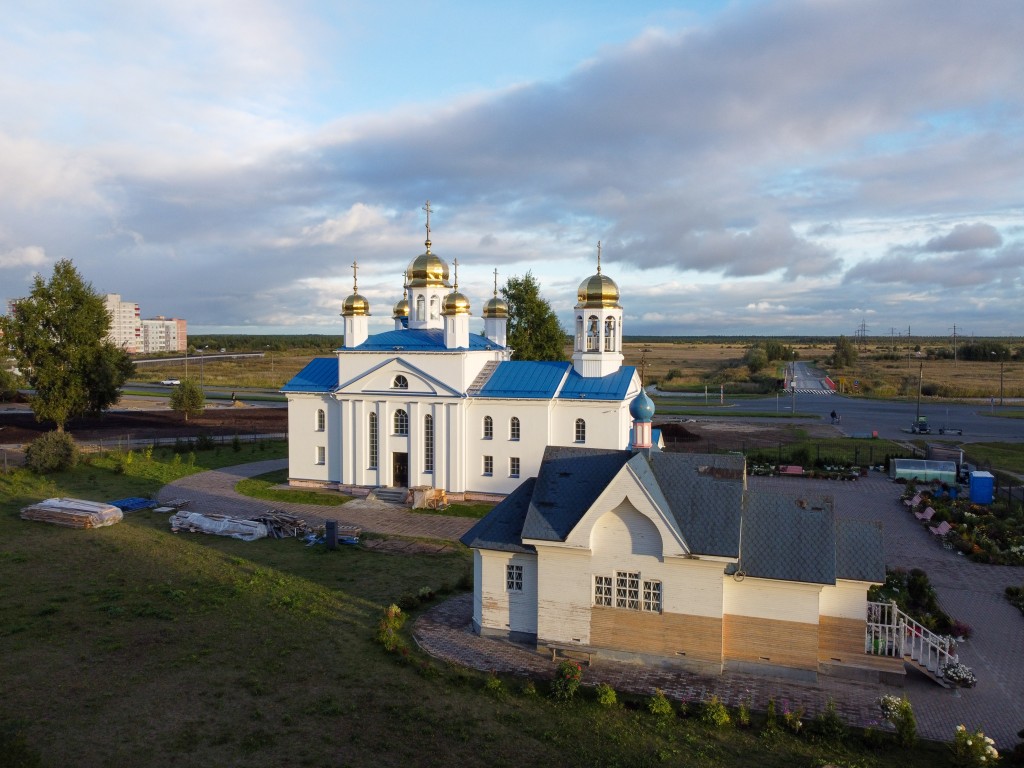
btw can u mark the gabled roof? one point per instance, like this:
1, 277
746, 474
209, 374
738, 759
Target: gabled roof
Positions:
504, 532
545, 379
614, 386
526, 379
705, 493
568, 484
418, 340
319, 375
789, 538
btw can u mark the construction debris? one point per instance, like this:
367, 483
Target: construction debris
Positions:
133, 504
246, 530
73, 513
281, 525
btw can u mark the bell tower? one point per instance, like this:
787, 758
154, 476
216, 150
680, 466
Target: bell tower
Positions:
597, 346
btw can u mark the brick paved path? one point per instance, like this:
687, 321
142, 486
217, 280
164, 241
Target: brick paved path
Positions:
968, 591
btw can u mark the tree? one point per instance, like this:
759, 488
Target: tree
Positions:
534, 332
187, 398
57, 336
845, 354
8, 384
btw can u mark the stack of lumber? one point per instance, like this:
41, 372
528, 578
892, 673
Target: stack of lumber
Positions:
281, 525
73, 513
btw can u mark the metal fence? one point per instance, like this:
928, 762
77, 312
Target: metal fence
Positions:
805, 453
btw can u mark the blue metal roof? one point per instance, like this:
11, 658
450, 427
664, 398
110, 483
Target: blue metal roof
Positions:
319, 375
525, 378
614, 386
418, 340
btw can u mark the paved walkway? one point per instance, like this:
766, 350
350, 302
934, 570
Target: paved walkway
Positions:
968, 591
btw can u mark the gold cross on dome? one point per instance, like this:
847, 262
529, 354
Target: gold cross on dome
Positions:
455, 263
599, 257
355, 278
495, 281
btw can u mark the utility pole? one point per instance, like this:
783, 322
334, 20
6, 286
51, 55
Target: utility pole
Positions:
954, 345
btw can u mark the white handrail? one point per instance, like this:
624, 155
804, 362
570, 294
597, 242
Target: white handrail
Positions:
891, 632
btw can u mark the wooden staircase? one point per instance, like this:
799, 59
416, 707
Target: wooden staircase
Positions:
891, 632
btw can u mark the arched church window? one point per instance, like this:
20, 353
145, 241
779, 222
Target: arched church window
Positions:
488, 428
593, 334
434, 304
609, 335
400, 382
421, 308
581, 431
401, 422
579, 332
321, 420
374, 441
513, 428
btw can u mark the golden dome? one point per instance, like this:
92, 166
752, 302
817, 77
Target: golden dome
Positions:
455, 304
597, 291
427, 269
355, 305
496, 307
402, 308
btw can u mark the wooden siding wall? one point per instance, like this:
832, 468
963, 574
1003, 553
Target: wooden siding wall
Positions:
696, 638
840, 639
494, 606
768, 641
846, 600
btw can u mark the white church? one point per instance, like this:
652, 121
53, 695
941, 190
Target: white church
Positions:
430, 404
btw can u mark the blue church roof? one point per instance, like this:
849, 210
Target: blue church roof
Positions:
418, 340
319, 375
611, 387
525, 378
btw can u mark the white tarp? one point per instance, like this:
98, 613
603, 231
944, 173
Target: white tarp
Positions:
246, 530
73, 513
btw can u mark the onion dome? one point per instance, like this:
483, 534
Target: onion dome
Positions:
495, 307
642, 408
455, 303
355, 304
427, 269
402, 308
597, 290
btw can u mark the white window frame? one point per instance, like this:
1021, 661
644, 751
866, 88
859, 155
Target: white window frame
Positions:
401, 422
513, 466
400, 382
514, 577
514, 428
488, 428
627, 590
652, 596
488, 466
603, 591
428, 443
321, 455
581, 431
374, 436
321, 420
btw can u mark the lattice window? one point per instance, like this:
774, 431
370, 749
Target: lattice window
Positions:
603, 590
374, 440
401, 422
400, 382
488, 428
627, 590
428, 443
513, 466
321, 455
652, 596
513, 428
488, 465
321, 420
581, 431
514, 577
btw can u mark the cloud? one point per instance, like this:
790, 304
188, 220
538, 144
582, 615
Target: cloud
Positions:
966, 237
31, 256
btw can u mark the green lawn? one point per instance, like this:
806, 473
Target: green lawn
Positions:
1005, 456
132, 646
262, 487
458, 510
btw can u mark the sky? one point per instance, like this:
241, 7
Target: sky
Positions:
762, 168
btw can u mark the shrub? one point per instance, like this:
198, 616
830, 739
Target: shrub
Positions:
973, 748
51, 452
792, 720
959, 674
828, 725
771, 722
236, 444
567, 680
743, 715
713, 712
659, 705
900, 714
606, 695
529, 688
494, 686
426, 594
389, 627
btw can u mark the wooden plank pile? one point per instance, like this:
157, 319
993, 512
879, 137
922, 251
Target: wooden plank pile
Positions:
281, 525
73, 513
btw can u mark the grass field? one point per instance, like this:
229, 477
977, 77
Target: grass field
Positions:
132, 646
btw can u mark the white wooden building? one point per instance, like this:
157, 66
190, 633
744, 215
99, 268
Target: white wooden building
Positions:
430, 404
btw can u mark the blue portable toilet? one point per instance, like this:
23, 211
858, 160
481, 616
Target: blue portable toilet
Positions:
982, 487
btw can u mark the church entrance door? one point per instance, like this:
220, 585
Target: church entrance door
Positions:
400, 470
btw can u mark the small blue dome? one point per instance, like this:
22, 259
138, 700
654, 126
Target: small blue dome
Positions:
642, 408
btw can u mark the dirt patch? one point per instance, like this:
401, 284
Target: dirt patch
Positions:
21, 426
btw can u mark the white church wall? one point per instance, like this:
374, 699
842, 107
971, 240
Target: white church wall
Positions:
564, 587
502, 609
304, 438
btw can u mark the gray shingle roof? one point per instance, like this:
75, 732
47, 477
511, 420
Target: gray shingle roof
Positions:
789, 538
502, 527
859, 550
